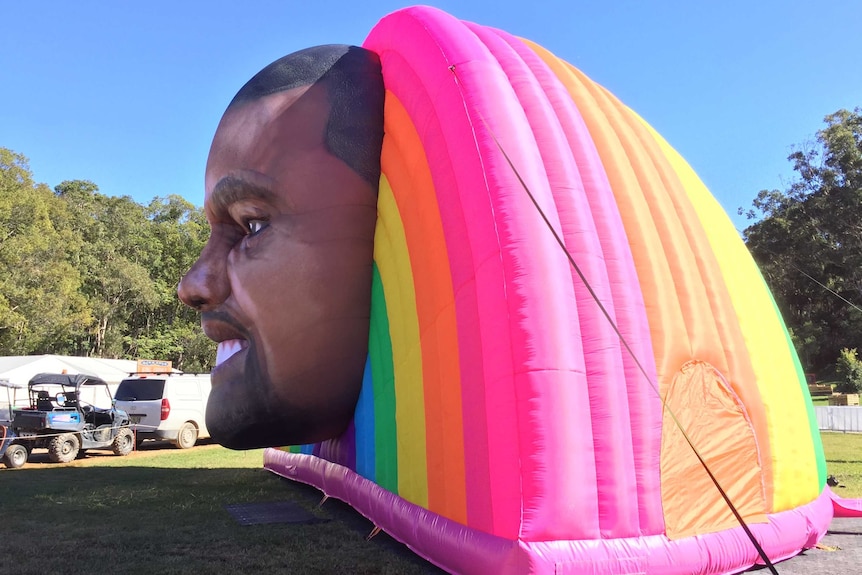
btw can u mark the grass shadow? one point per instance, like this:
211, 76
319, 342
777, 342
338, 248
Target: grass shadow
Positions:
149, 519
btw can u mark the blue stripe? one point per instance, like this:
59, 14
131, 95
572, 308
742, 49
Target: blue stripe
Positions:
364, 424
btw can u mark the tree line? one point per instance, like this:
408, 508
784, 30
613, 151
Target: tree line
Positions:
807, 240
87, 274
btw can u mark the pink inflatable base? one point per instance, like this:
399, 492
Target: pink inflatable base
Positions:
843, 507
457, 548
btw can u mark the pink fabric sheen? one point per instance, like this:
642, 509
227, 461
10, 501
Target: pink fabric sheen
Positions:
461, 550
612, 488
844, 507
541, 308
644, 406
468, 224
504, 302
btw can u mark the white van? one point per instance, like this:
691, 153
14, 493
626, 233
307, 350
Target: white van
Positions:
166, 406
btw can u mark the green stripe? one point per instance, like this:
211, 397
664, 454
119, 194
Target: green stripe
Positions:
383, 377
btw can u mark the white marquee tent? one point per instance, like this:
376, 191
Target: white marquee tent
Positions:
19, 369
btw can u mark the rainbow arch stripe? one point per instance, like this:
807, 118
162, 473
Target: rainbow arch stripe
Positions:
503, 425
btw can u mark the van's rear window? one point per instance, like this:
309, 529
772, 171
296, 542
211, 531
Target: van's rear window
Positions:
140, 389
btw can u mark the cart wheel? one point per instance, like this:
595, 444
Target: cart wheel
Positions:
16, 456
63, 448
124, 442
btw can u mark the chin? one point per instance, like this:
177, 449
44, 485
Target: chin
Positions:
243, 412
240, 429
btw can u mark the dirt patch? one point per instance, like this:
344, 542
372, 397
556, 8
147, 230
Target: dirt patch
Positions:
39, 457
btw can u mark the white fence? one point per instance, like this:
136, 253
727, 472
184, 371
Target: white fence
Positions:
839, 418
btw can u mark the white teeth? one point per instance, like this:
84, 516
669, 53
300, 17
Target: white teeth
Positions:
226, 349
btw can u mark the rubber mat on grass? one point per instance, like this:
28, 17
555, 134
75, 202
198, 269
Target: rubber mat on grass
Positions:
272, 512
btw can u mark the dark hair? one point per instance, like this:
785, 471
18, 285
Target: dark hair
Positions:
354, 83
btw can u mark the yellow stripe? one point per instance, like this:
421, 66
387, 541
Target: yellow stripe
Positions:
397, 278
795, 479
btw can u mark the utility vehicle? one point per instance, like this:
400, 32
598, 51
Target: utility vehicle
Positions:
69, 414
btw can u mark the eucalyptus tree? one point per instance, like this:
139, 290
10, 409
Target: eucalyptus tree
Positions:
808, 241
41, 307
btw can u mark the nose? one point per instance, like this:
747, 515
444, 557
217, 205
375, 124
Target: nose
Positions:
206, 284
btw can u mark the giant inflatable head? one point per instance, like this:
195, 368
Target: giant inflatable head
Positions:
554, 296
284, 282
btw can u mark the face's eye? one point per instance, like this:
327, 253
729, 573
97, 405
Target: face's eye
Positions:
252, 227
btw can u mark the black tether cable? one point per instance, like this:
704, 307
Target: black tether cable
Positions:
812, 278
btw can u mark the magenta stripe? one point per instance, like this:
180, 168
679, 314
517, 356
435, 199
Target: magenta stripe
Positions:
643, 412
557, 447
410, 76
523, 310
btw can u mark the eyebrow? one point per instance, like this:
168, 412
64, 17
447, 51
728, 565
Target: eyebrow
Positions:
237, 188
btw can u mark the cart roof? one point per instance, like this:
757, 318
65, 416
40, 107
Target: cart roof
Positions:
70, 379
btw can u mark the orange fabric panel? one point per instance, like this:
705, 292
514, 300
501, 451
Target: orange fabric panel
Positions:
717, 424
690, 311
404, 163
705, 269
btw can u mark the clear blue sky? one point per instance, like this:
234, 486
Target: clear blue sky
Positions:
128, 94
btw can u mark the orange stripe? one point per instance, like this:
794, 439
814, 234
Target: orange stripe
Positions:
740, 370
699, 283
704, 312
404, 163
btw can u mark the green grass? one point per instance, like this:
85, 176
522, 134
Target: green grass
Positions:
844, 461
163, 512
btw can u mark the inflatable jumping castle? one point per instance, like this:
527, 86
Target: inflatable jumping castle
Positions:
574, 364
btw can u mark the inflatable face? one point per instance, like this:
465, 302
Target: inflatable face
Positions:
284, 282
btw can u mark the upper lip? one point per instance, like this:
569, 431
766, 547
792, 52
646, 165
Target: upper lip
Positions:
220, 326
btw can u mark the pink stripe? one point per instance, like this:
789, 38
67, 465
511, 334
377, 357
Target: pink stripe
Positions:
613, 431
490, 437
643, 412
559, 470
540, 310
844, 507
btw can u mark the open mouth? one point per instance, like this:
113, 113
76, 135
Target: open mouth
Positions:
228, 348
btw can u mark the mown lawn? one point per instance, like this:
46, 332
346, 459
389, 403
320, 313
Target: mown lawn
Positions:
844, 461
162, 511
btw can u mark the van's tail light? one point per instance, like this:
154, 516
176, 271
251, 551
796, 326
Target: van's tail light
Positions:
166, 408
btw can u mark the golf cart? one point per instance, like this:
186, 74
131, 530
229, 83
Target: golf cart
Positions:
70, 413
13, 453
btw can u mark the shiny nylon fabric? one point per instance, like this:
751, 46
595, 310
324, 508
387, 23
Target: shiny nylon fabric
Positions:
499, 405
